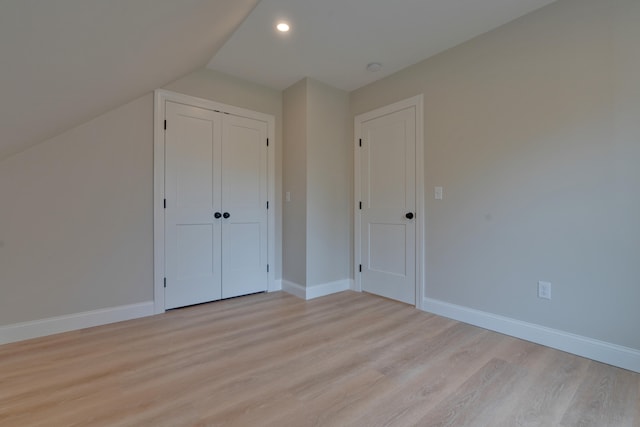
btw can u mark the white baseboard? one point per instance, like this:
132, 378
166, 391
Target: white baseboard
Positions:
294, 289
601, 351
329, 288
316, 291
72, 322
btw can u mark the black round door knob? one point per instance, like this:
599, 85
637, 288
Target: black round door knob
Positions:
226, 215
217, 215
409, 215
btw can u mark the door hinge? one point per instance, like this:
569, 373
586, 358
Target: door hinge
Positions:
360, 268
165, 282
267, 142
165, 125
267, 205
165, 203
360, 205
267, 268
360, 141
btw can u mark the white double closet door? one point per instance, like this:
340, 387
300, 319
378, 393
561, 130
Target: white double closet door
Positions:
216, 205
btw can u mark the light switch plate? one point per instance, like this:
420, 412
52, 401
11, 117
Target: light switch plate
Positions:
437, 191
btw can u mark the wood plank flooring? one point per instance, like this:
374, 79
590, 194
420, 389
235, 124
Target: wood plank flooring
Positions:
348, 359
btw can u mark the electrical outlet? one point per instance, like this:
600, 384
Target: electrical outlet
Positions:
544, 290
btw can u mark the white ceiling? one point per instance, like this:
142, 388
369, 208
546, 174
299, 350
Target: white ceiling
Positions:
333, 40
63, 62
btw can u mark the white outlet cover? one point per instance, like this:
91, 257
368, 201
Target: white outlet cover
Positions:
544, 290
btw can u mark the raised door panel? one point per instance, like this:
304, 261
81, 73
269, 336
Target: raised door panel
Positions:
244, 198
192, 175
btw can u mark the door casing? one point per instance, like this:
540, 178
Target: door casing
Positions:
160, 99
416, 102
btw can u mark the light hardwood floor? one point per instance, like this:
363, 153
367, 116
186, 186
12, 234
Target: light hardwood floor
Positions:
273, 360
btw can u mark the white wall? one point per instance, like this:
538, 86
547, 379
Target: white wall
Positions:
533, 131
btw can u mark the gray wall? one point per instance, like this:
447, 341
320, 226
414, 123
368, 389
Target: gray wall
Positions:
294, 254
76, 213
76, 229
533, 131
329, 170
317, 171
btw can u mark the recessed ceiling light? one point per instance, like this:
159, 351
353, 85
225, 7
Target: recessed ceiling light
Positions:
374, 66
283, 27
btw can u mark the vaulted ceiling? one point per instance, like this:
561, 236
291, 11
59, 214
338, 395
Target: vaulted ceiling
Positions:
63, 62
334, 40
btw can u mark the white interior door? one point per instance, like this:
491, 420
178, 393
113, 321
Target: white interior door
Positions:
388, 213
192, 182
244, 200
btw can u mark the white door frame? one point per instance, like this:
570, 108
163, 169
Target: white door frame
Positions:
161, 97
417, 102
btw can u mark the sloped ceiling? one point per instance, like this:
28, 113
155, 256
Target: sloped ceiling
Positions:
333, 40
63, 62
